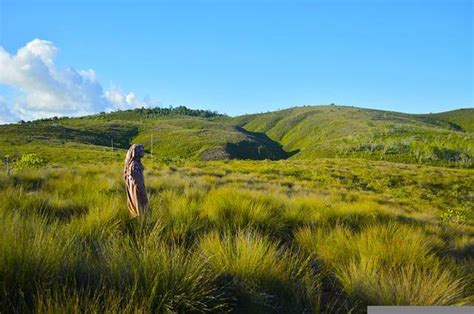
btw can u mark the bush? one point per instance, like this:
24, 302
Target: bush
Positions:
29, 161
456, 215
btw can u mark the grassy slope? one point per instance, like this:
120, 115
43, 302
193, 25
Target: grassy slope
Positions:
187, 137
335, 131
173, 136
461, 117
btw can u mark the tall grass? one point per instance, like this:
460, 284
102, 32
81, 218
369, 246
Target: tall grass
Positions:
230, 208
234, 236
386, 264
262, 272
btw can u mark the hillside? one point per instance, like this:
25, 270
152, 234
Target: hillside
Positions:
178, 134
463, 118
298, 133
338, 131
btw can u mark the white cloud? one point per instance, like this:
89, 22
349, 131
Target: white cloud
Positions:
48, 91
121, 100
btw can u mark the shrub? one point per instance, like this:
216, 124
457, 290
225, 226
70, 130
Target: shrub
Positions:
29, 161
455, 215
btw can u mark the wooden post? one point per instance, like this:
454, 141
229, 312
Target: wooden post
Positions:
112, 140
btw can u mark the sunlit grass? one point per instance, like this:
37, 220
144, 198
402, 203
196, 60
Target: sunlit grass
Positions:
261, 271
235, 236
387, 264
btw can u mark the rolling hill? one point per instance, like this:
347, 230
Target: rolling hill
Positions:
299, 133
339, 131
177, 134
463, 118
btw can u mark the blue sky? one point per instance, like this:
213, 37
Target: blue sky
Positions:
238, 56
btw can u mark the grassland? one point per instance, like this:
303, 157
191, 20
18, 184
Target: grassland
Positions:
331, 235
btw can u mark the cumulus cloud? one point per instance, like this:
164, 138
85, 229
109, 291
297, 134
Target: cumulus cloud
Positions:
122, 100
46, 90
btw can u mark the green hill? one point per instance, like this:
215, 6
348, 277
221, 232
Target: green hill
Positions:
464, 118
179, 134
298, 133
339, 131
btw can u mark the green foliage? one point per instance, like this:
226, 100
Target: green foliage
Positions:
455, 215
29, 161
147, 113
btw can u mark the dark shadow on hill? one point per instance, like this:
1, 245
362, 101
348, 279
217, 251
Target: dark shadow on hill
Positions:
257, 146
441, 123
95, 135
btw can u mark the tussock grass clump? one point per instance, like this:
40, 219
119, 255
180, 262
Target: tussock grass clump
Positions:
32, 257
304, 210
261, 272
353, 214
388, 264
60, 300
26, 203
160, 278
179, 214
17, 200
48, 267
233, 209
